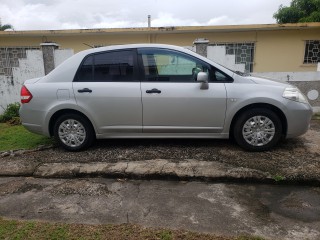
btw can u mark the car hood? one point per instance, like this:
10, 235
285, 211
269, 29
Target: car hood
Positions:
264, 81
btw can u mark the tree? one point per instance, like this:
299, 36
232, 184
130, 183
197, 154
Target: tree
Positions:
5, 26
299, 11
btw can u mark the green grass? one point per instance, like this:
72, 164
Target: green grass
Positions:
279, 178
17, 137
316, 116
12, 229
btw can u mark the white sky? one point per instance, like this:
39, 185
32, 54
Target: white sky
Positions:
75, 14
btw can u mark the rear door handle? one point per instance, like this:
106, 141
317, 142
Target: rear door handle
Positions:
154, 90
85, 90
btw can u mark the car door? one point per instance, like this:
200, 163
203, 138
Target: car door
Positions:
107, 88
173, 101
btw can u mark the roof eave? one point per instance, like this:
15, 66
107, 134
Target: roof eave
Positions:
173, 29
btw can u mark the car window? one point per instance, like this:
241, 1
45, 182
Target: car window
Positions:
171, 66
221, 77
85, 73
117, 66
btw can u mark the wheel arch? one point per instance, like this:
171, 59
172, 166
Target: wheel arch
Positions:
61, 112
271, 107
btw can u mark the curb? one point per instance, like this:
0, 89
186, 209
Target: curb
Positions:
150, 169
156, 169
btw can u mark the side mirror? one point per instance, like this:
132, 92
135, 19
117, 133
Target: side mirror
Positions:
203, 78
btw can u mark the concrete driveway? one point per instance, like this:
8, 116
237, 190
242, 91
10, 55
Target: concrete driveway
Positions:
272, 212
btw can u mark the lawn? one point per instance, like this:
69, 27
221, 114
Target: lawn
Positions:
12, 229
17, 137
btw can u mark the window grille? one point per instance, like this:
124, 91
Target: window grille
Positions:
244, 53
312, 52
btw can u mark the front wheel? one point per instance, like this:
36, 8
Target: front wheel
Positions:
73, 132
258, 129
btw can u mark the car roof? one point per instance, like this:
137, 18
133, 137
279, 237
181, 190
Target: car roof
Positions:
128, 46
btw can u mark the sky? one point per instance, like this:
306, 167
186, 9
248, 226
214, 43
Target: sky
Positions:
83, 14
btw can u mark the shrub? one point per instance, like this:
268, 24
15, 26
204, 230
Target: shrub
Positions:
11, 112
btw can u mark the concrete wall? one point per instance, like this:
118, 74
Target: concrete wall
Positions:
218, 54
32, 66
62, 54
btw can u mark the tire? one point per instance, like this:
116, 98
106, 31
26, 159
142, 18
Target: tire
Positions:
261, 137
73, 132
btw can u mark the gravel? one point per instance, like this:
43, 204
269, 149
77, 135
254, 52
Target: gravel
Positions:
292, 158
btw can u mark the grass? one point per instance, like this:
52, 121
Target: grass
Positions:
279, 178
17, 137
12, 229
316, 116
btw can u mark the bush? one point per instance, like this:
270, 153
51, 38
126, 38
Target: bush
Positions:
11, 112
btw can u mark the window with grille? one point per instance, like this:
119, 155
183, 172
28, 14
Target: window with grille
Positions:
312, 52
244, 53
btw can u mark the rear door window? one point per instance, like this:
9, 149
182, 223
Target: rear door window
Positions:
115, 66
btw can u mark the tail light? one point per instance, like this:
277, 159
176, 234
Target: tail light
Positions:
25, 95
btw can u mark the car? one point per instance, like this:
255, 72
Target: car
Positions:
159, 91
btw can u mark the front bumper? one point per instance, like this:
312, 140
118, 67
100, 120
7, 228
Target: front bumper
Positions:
298, 118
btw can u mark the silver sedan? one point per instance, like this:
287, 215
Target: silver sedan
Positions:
159, 91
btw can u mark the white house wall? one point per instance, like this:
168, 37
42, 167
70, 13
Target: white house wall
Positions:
30, 67
218, 54
62, 54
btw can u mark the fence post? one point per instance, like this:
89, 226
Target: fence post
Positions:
48, 56
201, 46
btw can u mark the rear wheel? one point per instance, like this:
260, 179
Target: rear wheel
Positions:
73, 132
258, 129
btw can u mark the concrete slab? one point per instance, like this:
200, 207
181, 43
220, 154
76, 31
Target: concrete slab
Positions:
272, 212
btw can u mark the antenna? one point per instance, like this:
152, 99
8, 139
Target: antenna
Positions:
88, 45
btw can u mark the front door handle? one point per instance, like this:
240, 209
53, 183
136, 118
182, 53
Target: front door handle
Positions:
154, 90
85, 90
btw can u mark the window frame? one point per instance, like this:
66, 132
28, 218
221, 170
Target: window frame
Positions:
210, 67
136, 75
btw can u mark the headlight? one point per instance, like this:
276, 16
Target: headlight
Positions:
294, 94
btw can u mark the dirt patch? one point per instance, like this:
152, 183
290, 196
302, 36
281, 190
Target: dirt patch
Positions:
81, 187
18, 186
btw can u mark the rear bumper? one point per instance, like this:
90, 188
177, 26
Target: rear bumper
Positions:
33, 120
33, 128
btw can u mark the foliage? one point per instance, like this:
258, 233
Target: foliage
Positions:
299, 11
5, 26
279, 178
12, 229
17, 137
11, 112
165, 235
